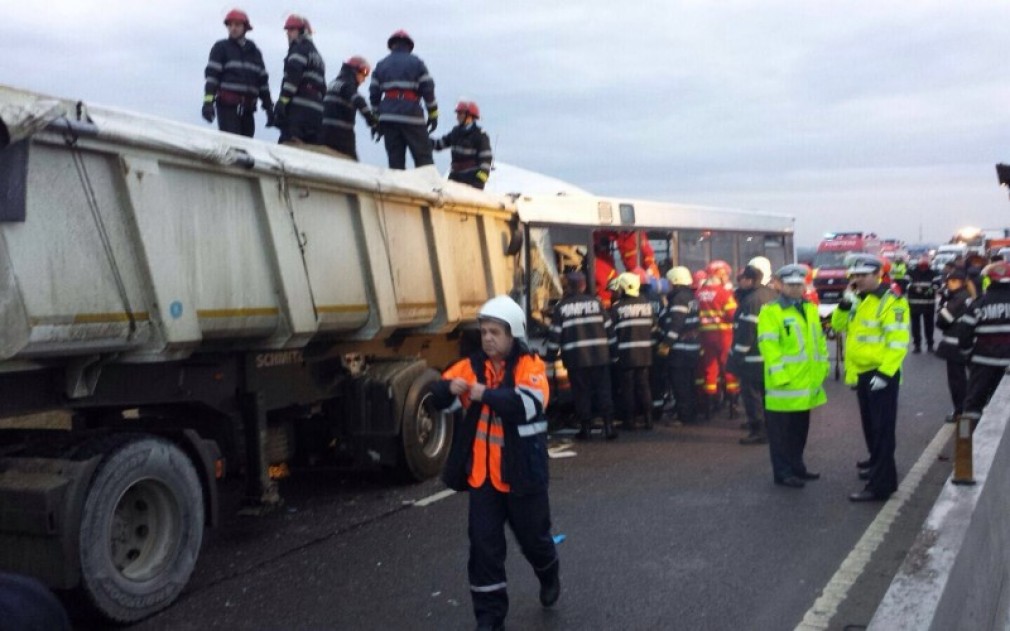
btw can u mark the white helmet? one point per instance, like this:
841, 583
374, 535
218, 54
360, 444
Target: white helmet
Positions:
629, 283
763, 264
506, 310
679, 275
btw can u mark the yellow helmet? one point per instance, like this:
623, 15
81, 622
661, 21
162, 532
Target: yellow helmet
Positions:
629, 283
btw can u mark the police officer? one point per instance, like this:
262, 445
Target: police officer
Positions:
471, 147
954, 303
795, 354
899, 272
399, 83
341, 103
580, 332
922, 301
299, 109
984, 335
744, 356
875, 322
679, 326
634, 327
236, 78
499, 455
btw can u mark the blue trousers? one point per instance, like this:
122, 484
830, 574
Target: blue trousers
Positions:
529, 516
787, 438
878, 410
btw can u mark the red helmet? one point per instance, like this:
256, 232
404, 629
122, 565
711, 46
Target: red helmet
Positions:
923, 263
699, 277
469, 107
360, 64
998, 272
298, 22
236, 15
400, 36
719, 268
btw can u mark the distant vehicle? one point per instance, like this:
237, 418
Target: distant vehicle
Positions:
829, 262
893, 249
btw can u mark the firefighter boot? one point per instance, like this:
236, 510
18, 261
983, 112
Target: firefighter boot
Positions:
550, 584
648, 419
583, 432
608, 429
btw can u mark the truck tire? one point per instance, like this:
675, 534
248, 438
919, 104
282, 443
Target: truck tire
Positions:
426, 431
141, 529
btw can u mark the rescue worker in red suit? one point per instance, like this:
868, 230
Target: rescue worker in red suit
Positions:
630, 244
605, 272
499, 455
716, 308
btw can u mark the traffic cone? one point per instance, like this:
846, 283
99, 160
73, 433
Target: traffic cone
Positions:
963, 473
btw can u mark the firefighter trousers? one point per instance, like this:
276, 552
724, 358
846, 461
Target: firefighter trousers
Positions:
400, 137
635, 390
878, 410
683, 366
591, 392
529, 517
982, 383
232, 119
957, 383
926, 314
752, 391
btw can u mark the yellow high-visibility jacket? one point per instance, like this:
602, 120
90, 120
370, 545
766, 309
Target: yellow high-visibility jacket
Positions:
795, 354
876, 333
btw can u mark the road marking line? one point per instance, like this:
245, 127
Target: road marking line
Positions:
431, 499
824, 608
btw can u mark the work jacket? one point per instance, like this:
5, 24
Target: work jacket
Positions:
580, 332
876, 333
399, 82
235, 74
342, 101
986, 327
795, 354
953, 305
634, 327
679, 325
304, 75
504, 436
744, 352
716, 306
921, 288
471, 149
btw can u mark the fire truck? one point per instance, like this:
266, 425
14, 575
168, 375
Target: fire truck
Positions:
829, 261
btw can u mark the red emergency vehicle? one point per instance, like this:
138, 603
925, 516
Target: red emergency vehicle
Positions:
829, 262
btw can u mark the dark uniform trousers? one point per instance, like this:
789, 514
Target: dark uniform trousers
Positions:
530, 519
927, 314
752, 391
235, 121
634, 388
982, 383
467, 177
303, 123
683, 367
591, 390
957, 383
402, 136
787, 438
342, 140
878, 410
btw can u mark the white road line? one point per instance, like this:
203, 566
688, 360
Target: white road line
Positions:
825, 607
431, 499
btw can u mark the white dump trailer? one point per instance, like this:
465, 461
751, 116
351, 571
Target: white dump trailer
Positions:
197, 303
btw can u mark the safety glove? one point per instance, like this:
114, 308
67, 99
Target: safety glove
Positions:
432, 120
878, 382
482, 175
208, 108
281, 111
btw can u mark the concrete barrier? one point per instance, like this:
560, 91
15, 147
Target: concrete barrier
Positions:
955, 576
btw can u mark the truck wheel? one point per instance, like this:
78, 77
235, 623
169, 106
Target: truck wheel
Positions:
425, 430
141, 529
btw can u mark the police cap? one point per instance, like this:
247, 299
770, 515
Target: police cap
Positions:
864, 264
793, 274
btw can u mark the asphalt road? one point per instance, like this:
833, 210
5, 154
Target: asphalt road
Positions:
677, 528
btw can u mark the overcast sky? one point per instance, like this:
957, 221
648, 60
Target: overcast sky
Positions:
859, 115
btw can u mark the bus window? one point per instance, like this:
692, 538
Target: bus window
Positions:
694, 249
724, 248
750, 245
776, 250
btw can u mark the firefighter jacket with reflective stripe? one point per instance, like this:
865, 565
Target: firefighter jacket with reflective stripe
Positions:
342, 100
580, 332
716, 306
921, 292
235, 73
634, 328
304, 75
471, 149
745, 321
503, 436
876, 333
679, 321
399, 82
986, 327
953, 305
795, 354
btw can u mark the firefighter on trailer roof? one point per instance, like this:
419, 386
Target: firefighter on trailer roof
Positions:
299, 109
342, 102
470, 145
236, 79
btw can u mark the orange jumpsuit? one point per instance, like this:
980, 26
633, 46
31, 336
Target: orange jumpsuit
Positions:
716, 308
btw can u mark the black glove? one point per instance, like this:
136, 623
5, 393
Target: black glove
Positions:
268, 109
376, 133
208, 111
371, 119
280, 112
432, 120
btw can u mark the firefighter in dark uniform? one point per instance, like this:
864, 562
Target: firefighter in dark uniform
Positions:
744, 356
580, 332
954, 302
922, 301
399, 83
299, 110
499, 455
471, 148
340, 105
679, 326
985, 334
658, 372
236, 79
634, 327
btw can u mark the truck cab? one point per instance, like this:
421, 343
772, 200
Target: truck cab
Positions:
830, 261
